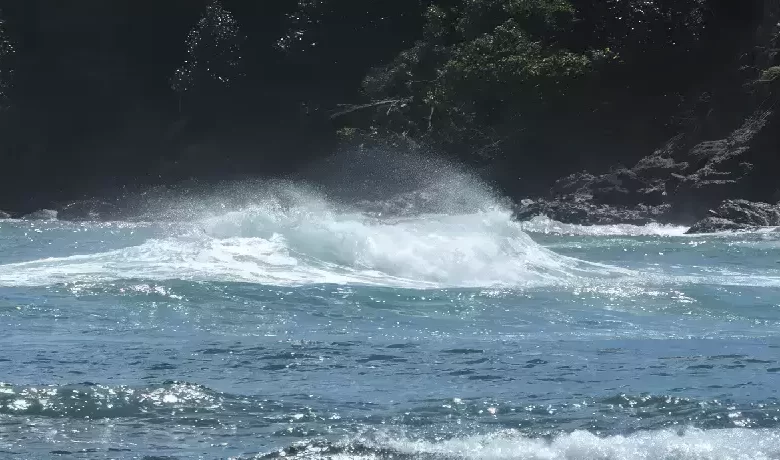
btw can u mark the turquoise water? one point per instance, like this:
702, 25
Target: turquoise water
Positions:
293, 327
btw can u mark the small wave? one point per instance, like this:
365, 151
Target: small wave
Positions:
304, 239
100, 401
546, 225
691, 444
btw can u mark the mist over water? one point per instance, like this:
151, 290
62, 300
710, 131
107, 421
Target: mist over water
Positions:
371, 316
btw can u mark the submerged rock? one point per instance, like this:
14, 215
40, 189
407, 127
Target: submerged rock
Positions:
43, 214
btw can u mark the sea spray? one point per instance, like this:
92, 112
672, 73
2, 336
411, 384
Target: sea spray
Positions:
292, 235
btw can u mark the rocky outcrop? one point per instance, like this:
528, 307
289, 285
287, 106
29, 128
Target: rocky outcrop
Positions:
4, 215
585, 212
716, 225
88, 210
746, 212
738, 215
622, 196
43, 214
726, 148
676, 183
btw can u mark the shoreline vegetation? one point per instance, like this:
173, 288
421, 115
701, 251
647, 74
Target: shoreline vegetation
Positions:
589, 112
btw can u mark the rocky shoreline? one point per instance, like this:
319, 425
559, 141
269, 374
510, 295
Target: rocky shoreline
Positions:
731, 215
709, 185
718, 173
577, 204
577, 209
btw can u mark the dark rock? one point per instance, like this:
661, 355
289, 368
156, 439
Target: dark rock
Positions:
43, 214
658, 167
617, 196
713, 171
623, 178
709, 149
715, 225
573, 184
4, 215
749, 213
616, 188
725, 147
653, 195
587, 213
738, 215
621, 196
93, 210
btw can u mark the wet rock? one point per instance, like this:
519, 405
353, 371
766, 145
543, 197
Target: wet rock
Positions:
4, 215
573, 184
658, 167
43, 214
749, 213
610, 190
88, 210
709, 149
738, 215
715, 225
653, 195
588, 213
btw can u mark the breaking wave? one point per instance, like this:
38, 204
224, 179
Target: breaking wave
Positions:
731, 444
293, 236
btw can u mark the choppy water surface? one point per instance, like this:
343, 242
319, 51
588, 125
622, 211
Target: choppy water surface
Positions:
296, 328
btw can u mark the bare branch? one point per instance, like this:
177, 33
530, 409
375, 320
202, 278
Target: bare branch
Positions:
355, 108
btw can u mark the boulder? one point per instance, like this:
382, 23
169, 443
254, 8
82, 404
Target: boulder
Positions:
749, 213
587, 213
715, 225
43, 214
738, 215
4, 215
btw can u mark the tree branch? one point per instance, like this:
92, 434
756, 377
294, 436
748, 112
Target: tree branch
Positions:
354, 108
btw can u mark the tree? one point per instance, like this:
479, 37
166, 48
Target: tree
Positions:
488, 75
343, 39
481, 67
214, 54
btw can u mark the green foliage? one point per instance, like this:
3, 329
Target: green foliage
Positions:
771, 74
487, 70
482, 61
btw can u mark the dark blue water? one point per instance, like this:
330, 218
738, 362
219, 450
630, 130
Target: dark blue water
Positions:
309, 332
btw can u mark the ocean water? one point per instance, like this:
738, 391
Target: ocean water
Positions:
433, 327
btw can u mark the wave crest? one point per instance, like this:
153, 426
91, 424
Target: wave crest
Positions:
302, 238
734, 444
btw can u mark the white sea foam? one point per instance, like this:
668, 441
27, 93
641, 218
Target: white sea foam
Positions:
731, 444
548, 226
302, 238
